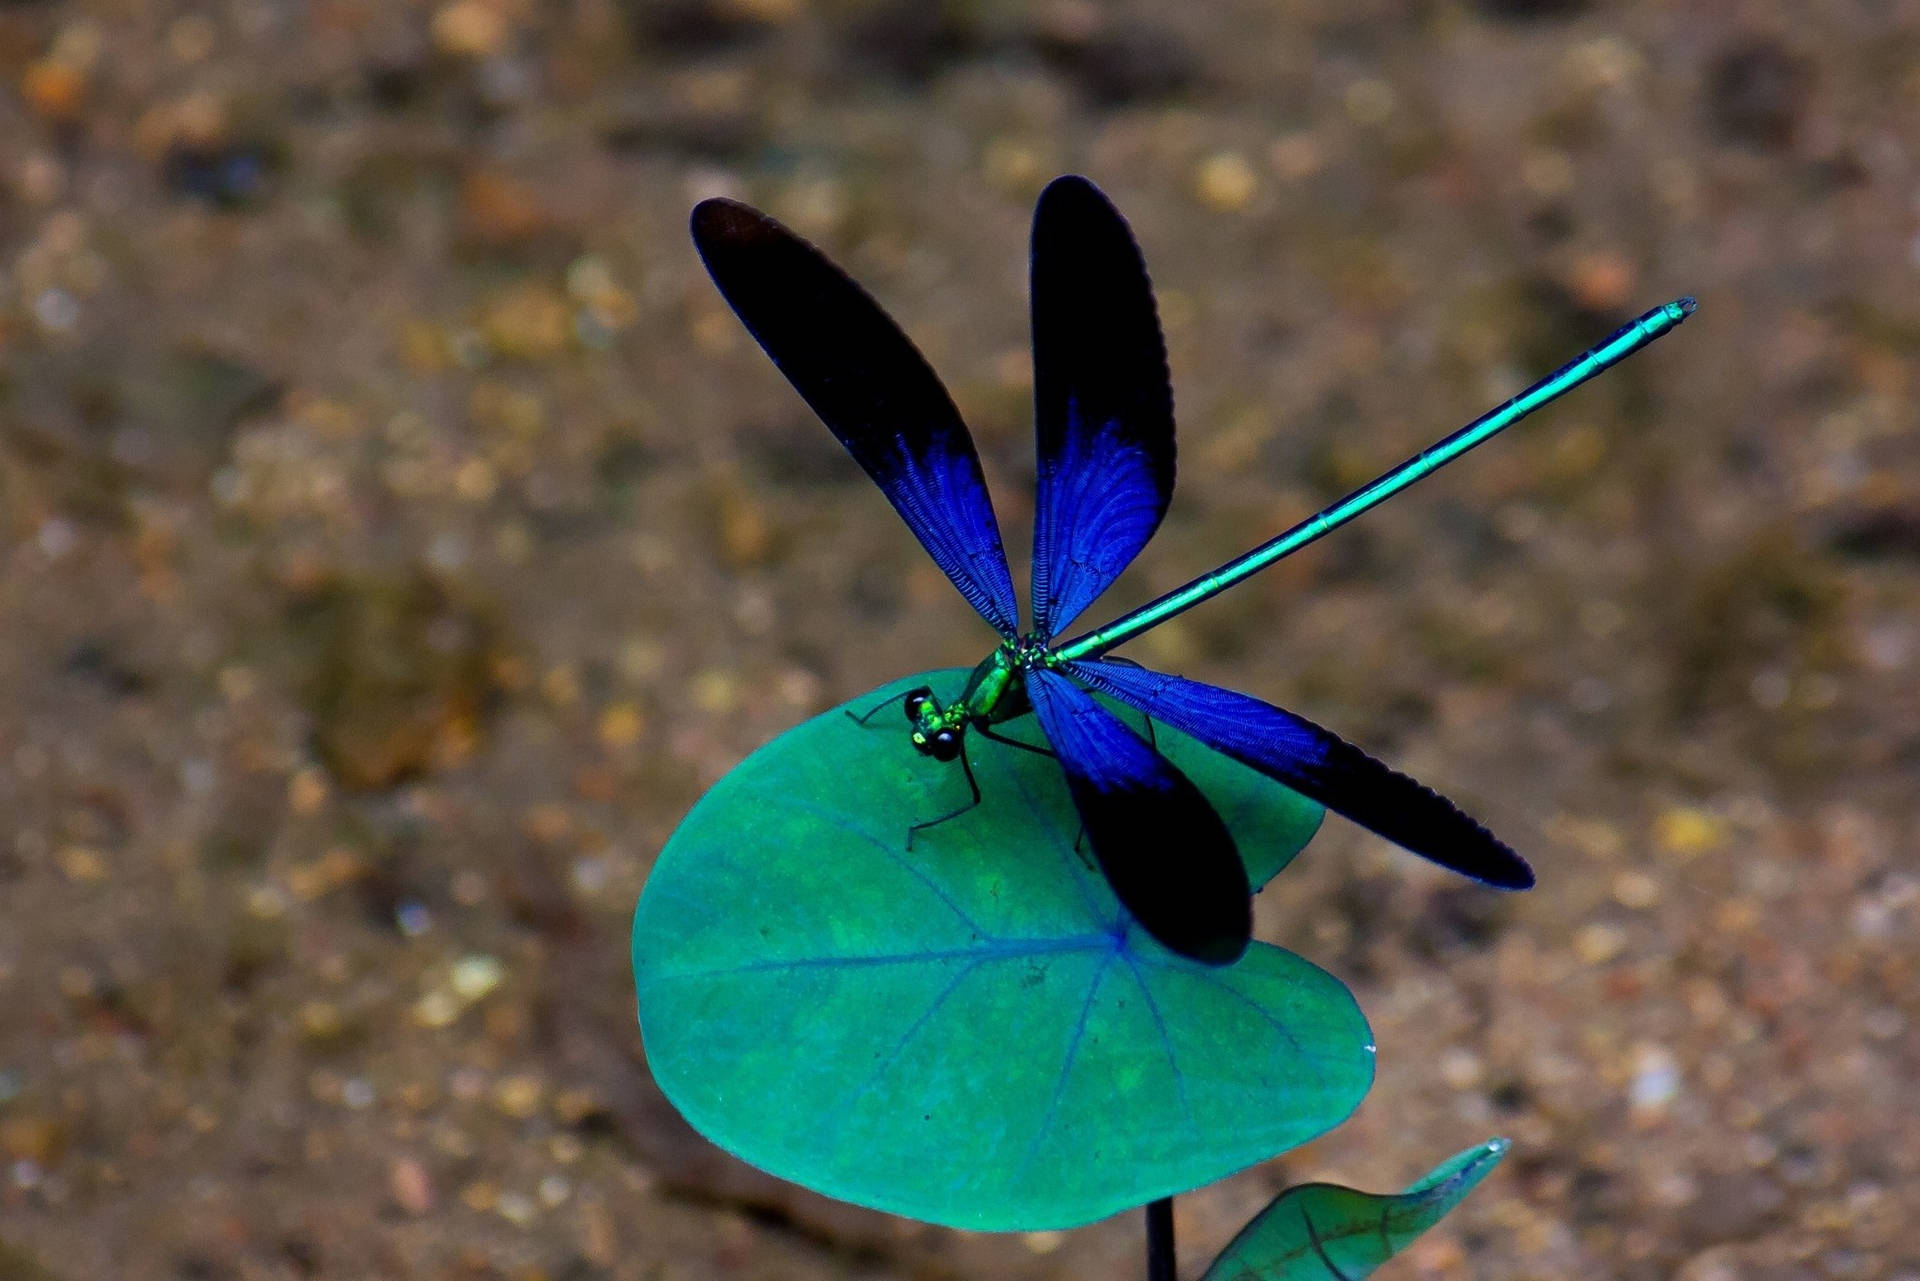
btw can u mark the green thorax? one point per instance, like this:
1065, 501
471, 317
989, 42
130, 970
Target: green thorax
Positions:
995, 691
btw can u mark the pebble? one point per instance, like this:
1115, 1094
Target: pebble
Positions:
1603, 281
470, 29
1636, 890
1686, 831
620, 726
1655, 1082
516, 1208
37, 1139
1599, 943
82, 864
476, 975
530, 322
437, 1009
519, 1096
1460, 1068
1225, 182
411, 1186
55, 90
497, 210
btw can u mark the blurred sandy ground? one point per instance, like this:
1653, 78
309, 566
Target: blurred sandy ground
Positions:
398, 535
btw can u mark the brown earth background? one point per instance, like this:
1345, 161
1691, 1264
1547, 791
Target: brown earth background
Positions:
397, 534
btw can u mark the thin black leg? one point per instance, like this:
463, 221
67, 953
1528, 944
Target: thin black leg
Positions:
987, 732
869, 714
973, 785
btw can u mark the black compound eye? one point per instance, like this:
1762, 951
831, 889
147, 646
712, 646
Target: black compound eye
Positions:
916, 699
944, 746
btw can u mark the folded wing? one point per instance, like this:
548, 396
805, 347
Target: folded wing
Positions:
1103, 408
871, 387
1163, 849
1317, 764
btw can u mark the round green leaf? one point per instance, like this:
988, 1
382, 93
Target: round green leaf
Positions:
970, 1031
1324, 1232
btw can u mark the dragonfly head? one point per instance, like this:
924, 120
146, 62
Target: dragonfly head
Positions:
933, 734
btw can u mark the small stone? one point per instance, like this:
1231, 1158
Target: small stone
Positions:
1656, 1080
527, 322
746, 535
479, 1196
1460, 1068
620, 726
1688, 831
1225, 182
411, 1187
55, 90
38, 1139
413, 918
357, 1093
1015, 166
437, 1009
322, 1022
470, 29
715, 692
82, 864
519, 1096
1603, 281
476, 975
516, 1208
573, 1105
475, 480
1296, 156
1636, 890
1599, 943
307, 792
1043, 1243
554, 1190
497, 210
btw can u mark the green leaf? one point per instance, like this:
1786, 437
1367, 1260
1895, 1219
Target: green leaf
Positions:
1319, 1231
970, 1031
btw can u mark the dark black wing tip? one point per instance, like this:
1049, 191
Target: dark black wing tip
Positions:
1218, 953
1075, 187
718, 221
1516, 878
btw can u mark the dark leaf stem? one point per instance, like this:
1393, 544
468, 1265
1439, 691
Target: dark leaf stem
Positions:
1160, 1240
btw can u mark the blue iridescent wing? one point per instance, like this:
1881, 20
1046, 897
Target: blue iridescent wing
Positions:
1319, 765
871, 387
1163, 849
1103, 409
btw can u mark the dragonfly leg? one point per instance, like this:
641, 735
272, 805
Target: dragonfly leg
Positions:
987, 732
875, 710
1080, 848
973, 785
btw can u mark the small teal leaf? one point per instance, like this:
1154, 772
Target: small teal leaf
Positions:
1323, 1232
970, 1031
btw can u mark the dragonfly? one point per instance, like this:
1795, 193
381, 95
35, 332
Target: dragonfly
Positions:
1103, 412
